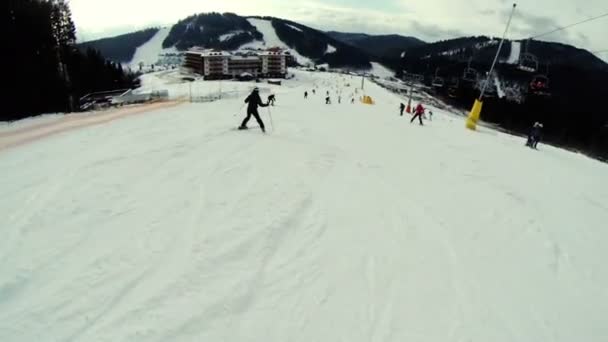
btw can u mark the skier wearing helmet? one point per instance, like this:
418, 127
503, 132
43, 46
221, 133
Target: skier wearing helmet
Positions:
254, 102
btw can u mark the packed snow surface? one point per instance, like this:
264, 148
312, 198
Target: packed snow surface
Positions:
343, 223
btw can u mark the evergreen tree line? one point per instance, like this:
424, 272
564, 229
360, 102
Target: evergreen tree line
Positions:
121, 48
46, 71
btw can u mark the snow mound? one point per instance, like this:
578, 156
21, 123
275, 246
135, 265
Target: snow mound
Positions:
150, 51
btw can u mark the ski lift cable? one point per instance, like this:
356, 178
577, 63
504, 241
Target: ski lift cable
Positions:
568, 26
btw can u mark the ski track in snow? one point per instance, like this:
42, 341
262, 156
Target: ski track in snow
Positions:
344, 223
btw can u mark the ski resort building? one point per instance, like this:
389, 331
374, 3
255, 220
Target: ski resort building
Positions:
225, 65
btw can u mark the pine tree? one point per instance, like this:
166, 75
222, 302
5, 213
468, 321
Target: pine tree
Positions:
64, 29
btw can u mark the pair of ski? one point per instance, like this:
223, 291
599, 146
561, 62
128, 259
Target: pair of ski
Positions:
247, 128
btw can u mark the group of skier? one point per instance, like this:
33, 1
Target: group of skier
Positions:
254, 101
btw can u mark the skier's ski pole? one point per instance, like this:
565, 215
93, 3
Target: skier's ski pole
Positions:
240, 109
270, 115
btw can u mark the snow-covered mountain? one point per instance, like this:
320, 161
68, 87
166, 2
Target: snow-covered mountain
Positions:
231, 32
387, 47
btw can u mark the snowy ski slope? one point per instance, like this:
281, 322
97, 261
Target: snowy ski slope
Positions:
381, 71
150, 51
499, 88
272, 40
344, 223
515, 52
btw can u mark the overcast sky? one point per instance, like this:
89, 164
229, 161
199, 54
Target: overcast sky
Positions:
429, 20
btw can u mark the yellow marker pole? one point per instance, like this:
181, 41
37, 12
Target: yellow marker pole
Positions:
476, 110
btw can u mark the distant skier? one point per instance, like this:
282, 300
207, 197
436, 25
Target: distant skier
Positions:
339, 99
352, 100
401, 108
254, 101
305, 94
419, 112
327, 100
430, 115
535, 135
271, 100
314, 92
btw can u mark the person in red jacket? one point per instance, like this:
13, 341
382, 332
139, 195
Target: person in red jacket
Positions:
419, 112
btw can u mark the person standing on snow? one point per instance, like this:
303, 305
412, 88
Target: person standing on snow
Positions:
328, 100
271, 99
534, 136
305, 94
419, 113
254, 101
402, 108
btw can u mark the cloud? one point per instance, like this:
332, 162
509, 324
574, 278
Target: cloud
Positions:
487, 12
434, 32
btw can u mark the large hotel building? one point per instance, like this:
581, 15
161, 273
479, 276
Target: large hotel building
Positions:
214, 64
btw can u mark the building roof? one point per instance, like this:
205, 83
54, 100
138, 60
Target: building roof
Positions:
244, 58
208, 52
238, 55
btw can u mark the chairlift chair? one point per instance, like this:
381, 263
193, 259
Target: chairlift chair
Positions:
438, 82
453, 92
470, 75
490, 89
455, 82
528, 62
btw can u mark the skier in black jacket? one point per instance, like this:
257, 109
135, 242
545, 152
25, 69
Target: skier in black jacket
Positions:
254, 101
